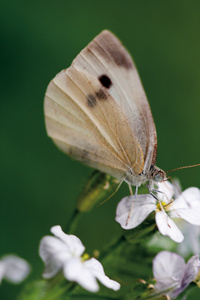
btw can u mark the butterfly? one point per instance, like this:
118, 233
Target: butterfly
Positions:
97, 112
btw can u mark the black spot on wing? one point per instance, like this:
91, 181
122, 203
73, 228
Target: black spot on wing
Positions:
101, 95
91, 100
105, 81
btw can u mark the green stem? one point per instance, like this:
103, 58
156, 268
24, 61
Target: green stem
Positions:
118, 243
73, 222
54, 290
143, 231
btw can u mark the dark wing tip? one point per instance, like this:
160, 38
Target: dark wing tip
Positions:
113, 48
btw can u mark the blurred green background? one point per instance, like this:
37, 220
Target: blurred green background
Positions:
39, 184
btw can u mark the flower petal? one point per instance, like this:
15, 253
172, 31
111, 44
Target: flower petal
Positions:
73, 242
191, 243
187, 206
167, 227
85, 273
140, 208
54, 253
75, 270
165, 191
15, 269
191, 271
2, 270
168, 270
97, 270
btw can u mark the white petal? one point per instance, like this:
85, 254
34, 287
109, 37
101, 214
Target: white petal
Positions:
75, 270
192, 269
166, 189
85, 273
54, 253
73, 242
15, 269
97, 270
140, 207
167, 227
187, 206
2, 270
168, 269
177, 187
191, 243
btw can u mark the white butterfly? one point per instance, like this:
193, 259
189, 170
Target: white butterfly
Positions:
97, 112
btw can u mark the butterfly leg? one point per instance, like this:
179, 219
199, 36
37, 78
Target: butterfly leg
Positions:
130, 189
131, 209
115, 191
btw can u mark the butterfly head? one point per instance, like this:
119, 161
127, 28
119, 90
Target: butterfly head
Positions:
156, 174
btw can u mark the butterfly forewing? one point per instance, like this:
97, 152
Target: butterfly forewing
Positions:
97, 112
106, 54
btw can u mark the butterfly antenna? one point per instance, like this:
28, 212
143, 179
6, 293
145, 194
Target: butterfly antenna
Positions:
174, 183
185, 167
178, 189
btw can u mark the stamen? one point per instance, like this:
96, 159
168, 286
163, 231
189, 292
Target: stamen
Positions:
161, 208
85, 256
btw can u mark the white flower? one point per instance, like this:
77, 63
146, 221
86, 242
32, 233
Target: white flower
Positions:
133, 211
13, 268
172, 274
191, 243
64, 252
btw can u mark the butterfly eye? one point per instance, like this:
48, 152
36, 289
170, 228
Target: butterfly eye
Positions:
158, 177
105, 81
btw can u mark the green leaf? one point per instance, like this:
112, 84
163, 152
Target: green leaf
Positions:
33, 291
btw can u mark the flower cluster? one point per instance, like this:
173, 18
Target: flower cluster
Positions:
132, 211
65, 253
172, 274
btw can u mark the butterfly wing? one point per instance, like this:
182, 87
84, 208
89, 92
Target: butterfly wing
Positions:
97, 112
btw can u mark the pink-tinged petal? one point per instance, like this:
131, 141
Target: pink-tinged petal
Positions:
75, 270
73, 243
166, 191
167, 227
168, 270
14, 268
187, 206
192, 269
140, 208
97, 270
172, 274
